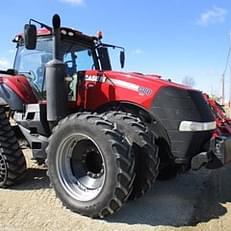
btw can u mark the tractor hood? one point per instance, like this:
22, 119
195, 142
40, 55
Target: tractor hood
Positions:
153, 81
111, 86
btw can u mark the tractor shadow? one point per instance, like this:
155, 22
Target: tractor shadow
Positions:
216, 193
187, 200
184, 201
34, 179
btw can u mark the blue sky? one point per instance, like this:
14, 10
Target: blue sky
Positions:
173, 38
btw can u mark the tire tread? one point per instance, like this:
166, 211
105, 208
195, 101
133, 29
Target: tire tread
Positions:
9, 150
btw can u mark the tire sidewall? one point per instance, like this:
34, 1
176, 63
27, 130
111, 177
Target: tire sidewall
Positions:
111, 169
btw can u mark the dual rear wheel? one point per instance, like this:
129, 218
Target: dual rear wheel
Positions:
95, 165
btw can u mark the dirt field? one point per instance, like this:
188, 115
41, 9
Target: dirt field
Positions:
195, 201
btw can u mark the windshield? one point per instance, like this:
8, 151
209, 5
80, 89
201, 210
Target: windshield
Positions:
77, 57
32, 63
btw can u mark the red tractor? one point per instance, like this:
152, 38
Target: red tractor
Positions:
104, 135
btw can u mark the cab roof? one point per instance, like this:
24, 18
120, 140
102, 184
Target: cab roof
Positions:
67, 33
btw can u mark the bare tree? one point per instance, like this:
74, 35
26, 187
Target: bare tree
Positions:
189, 81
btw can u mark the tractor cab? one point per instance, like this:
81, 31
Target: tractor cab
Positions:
76, 50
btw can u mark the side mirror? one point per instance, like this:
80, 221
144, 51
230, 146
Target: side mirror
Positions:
30, 35
122, 59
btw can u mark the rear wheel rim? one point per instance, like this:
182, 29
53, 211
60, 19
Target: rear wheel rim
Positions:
81, 167
3, 169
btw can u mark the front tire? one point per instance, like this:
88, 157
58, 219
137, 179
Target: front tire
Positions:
90, 165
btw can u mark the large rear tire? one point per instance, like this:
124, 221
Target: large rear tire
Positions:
12, 160
144, 147
90, 165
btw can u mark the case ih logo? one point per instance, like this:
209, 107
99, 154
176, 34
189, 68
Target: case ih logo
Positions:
95, 78
120, 83
145, 91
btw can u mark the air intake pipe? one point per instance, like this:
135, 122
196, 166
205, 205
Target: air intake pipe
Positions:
56, 89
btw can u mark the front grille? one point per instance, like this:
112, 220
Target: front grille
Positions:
173, 105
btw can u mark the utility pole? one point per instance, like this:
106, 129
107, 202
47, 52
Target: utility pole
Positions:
223, 89
229, 66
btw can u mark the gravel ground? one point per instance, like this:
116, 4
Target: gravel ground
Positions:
195, 201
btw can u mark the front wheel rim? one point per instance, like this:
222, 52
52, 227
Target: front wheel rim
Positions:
80, 167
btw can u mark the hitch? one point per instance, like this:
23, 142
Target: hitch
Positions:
199, 160
218, 155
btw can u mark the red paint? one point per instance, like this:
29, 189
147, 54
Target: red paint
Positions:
223, 123
20, 85
92, 94
43, 31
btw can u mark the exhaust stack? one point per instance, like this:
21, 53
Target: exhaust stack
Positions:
55, 79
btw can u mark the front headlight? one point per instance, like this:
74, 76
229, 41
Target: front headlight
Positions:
191, 126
